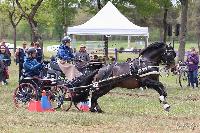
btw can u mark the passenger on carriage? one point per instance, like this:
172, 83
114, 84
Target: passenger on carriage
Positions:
5, 62
65, 58
31, 66
81, 58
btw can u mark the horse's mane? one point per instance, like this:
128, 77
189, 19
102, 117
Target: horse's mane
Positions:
155, 45
84, 79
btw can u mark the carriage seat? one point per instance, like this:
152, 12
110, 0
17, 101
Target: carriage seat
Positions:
54, 65
54, 72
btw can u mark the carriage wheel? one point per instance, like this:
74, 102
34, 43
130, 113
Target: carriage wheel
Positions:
61, 97
23, 94
183, 79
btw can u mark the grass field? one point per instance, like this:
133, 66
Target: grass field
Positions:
112, 44
125, 111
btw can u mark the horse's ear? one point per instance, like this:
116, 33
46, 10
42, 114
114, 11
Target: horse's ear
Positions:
170, 46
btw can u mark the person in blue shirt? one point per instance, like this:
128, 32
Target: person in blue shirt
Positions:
65, 57
31, 66
65, 53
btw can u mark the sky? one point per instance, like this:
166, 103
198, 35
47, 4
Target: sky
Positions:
174, 2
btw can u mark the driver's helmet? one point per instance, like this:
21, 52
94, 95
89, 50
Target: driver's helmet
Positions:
66, 39
31, 51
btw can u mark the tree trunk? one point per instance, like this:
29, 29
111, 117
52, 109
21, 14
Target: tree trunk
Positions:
183, 30
34, 30
198, 43
15, 38
165, 26
161, 34
35, 34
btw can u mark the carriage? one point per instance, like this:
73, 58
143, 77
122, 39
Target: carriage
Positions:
140, 72
60, 92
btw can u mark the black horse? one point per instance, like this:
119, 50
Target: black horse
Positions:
140, 72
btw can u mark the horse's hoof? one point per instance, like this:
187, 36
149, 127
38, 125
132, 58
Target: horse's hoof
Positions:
93, 110
166, 107
100, 111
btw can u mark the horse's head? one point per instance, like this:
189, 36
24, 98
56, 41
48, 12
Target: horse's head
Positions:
159, 52
168, 56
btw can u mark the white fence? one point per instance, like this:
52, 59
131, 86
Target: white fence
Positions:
52, 48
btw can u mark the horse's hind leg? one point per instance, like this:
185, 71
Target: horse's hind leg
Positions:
158, 86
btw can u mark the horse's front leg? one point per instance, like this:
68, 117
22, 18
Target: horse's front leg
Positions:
158, 86
95, 96
94, 104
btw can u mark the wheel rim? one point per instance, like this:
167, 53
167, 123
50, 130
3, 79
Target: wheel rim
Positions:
23, 94
61, 98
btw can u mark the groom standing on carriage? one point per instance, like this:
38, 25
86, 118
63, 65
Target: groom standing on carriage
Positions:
82, 58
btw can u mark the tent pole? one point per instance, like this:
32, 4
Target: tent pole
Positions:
129, 40
105, 38
146, 41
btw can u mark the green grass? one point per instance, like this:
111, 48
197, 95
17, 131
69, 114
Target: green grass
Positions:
139, 111
112, 44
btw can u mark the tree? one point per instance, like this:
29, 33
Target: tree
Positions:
194, 20
183, 29
9, 7
29, 10
4, 24
63, 14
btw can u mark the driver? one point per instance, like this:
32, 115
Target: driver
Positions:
31, 66
81, 58
65, 58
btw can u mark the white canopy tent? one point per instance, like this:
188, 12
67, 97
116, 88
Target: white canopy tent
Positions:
109, 21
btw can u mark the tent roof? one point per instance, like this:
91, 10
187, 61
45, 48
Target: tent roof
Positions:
108, 21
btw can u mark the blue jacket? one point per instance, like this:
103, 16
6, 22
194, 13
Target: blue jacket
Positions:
32, 67
65, 53
5, 58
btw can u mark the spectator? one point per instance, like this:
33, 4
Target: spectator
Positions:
192, 63
3, 43
128, 60
95, 58
20, 56
32, 45
39, 55
5, 62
